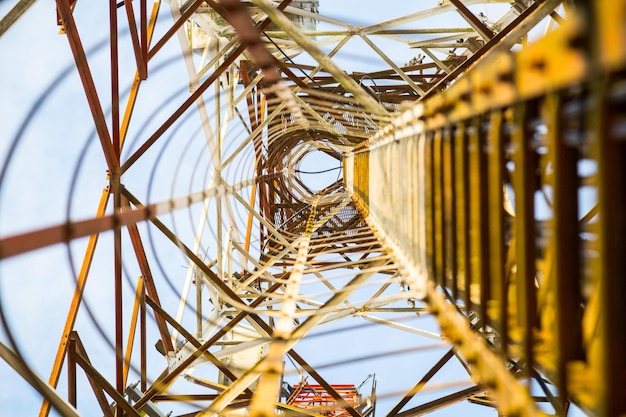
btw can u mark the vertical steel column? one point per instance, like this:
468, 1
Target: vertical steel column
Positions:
483, 225
118, 286
71, 371
143, 36
115, 93
524, 229
498, 302
142, 338
478, 218
438, 209
450, 213
605, 44
429, 193
610, 145
462, 235
565, 244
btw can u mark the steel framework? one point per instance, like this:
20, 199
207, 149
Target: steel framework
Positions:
467, 203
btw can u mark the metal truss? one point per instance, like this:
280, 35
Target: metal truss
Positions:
270, 293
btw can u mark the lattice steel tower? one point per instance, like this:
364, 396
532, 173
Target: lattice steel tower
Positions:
320, 208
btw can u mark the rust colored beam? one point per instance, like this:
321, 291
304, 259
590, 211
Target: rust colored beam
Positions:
88, 84
473, 21
97, 389
66, 232
117, 284
115, 81
60, 20
144, 266
143, 345
135, 37
102, 382
146, 30
293, 77
71, 371
146, 37
63, 233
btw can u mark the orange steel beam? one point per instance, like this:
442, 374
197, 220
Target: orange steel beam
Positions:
75, 305
132, 328
523, 181
249, 225
146, 37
